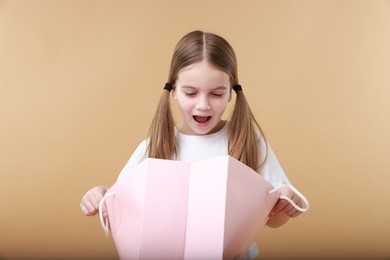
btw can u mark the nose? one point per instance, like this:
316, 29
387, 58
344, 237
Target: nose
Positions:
203, 103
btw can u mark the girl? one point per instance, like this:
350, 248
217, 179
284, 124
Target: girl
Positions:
202, 77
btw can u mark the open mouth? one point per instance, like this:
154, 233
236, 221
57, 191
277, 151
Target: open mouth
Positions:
201, 119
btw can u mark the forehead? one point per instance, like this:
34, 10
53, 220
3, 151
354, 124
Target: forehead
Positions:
202, 74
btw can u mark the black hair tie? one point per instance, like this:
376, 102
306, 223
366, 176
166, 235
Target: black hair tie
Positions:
237, 87
168, 86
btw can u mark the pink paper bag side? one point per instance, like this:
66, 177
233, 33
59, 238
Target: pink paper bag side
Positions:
247, 207
164, 219
211, 209
206, 210
125, 211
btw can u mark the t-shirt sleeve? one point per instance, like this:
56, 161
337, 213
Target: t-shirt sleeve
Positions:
137, 157
271, 171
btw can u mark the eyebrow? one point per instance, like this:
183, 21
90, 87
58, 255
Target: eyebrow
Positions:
217, 88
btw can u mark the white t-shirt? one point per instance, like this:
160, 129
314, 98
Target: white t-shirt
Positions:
194, 148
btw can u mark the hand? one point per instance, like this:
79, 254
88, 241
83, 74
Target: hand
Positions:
90, 202
284, 207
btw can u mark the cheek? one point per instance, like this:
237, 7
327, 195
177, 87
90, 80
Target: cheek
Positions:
220, 106
184, 106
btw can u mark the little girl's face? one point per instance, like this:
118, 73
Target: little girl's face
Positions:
202, 93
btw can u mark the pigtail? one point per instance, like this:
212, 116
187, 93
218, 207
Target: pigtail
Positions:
243, 134
162, 141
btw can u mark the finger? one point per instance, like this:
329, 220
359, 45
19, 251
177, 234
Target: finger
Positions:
95, 200
295, 214
279, 207
287, 209
84, 209
90, 207
292, 211
87, 211
284, 206
297, 201
105, 212
282, 203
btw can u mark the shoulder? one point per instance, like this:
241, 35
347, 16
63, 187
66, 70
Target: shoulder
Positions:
137, 157
141, 151
143, 146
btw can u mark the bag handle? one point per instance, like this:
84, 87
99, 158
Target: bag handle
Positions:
289, 185
101, 203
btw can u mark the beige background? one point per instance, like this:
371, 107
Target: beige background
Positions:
79, 82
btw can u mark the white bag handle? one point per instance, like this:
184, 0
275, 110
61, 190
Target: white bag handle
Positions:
101, 203
289, 185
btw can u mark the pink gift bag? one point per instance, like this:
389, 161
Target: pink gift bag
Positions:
163, 209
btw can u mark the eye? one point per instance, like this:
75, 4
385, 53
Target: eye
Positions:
190, 94
217, 94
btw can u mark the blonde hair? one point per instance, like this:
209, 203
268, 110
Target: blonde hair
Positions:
243, 130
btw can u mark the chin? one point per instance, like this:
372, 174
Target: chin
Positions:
201, 132
207, 131
197, 131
